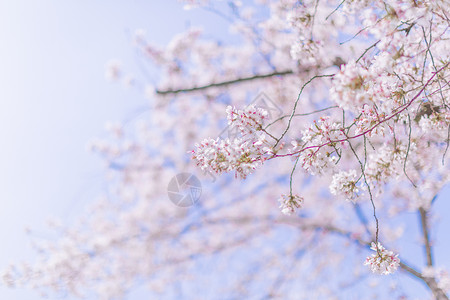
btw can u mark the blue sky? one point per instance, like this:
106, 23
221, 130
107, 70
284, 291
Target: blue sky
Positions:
54, 98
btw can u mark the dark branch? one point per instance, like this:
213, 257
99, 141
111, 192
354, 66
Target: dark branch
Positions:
224, 83
426, 235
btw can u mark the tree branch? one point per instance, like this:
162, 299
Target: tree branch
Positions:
426, 235
223, 83
395, 113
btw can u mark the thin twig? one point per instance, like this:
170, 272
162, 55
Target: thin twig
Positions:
295, 105
370, 195
364, 53
407, 152
399, 110
292, 174
446, 148
301, 115
340, 4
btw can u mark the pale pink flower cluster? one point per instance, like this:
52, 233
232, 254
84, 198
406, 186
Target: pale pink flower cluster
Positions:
113, 70
436, 120
290, 203
368, 119
323, 131
307, 51
300, 16
349, 86
308, 45
357, 84
344, 184
222, 156
321, 141
384, 262
248, 121
244, 154
387, 163
316, 162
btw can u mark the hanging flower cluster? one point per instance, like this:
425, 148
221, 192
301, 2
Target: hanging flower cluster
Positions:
383, 262
290, 203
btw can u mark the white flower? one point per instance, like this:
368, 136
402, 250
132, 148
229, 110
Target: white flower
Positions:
244, 154
348, 90
370, 119
248, 121
383, 262
290, 203
221, 156
344, 184
113, 70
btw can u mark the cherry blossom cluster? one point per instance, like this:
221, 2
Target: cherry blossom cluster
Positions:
349, 89
308, 48
321, 142
307, 51
249, 120
345, 184
290, 203
435, 120
243, 154
322, 131
369, 121
383, 262
357, 84
222, 156
387, 163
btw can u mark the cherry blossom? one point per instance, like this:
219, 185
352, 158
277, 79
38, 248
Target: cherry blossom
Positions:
383, 262
290, 203
345, 184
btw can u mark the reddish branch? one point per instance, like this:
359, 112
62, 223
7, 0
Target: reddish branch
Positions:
399, 110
